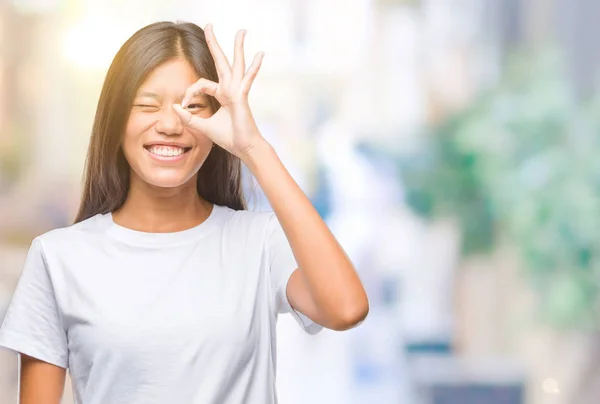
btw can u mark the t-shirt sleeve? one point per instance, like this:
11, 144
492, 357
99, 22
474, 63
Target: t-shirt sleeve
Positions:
32, 323
282, 264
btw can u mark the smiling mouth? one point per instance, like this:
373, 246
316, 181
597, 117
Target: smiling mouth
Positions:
167, 151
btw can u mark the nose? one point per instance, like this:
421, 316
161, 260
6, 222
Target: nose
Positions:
169, 122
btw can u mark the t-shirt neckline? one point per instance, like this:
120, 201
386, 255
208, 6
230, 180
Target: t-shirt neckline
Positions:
137, 237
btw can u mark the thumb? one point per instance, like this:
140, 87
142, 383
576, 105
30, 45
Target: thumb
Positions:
188, 118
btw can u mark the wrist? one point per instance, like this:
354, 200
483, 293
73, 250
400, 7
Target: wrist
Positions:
257, 154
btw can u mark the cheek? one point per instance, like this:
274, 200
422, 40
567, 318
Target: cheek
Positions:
136, 125
132, 138
203, 142
202, 149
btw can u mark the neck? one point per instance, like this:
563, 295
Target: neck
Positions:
162, 210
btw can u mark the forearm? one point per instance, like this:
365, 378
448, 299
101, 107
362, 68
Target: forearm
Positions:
332, 280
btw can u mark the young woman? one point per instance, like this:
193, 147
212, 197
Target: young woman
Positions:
165, 290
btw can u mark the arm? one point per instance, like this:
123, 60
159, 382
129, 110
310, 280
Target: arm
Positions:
40, 382
326, 287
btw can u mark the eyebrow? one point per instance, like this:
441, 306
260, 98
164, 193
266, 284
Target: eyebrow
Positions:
148, 94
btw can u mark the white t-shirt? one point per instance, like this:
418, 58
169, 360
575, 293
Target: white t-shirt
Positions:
183, 317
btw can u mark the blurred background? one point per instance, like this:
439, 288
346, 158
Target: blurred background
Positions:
449, 144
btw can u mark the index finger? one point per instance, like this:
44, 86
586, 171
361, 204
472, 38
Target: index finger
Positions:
221, 62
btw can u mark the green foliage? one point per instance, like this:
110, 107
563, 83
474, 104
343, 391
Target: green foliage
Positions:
521, 163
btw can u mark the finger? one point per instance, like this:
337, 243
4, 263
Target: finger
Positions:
188, 118
201, 86
221, 62
239, 62
252, 72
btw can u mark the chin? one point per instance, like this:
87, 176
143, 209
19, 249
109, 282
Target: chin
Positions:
167, 180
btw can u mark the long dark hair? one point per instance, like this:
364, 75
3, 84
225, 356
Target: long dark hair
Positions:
106, 169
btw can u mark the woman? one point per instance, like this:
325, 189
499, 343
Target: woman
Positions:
165, 290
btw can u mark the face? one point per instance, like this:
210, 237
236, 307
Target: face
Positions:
159, 149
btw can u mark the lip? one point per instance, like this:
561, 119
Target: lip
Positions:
173, 144
167, 159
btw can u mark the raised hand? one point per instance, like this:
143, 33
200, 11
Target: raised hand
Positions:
232, 127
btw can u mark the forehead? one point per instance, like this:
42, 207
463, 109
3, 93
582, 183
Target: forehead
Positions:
172, 77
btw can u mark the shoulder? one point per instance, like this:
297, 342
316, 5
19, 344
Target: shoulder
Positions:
69, 235
244, 222
244, 217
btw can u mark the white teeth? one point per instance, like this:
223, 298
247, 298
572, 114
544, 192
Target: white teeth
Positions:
166, 151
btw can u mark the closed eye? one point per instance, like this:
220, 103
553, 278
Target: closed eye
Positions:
146, 106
